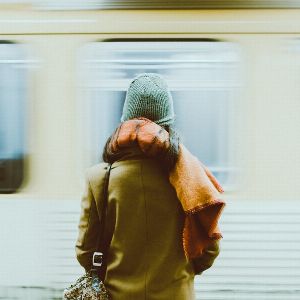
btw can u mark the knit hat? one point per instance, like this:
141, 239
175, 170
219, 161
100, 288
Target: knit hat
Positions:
148, 96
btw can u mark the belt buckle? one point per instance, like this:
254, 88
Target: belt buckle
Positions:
97, 259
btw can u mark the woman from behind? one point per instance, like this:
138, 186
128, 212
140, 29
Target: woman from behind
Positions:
149, 230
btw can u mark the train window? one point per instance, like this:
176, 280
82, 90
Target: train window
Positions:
202, 76
12, 116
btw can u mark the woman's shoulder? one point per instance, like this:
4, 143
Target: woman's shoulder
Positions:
95, 172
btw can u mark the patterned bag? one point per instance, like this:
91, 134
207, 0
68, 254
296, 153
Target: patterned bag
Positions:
89, 286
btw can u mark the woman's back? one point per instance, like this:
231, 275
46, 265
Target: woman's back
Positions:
145, 259
145, 219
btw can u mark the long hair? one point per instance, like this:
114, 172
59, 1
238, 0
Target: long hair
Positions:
167, 158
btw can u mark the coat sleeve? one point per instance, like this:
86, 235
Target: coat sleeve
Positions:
208, 257
88, 228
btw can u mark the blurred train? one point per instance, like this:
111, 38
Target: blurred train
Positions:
234, 73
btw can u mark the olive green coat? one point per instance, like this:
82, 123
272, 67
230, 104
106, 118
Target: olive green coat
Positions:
145, 259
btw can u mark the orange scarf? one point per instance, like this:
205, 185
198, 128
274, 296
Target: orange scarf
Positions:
196, 187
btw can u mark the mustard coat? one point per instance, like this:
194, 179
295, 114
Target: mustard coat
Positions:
145, 259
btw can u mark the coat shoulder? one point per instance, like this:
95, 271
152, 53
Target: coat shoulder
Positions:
95, 173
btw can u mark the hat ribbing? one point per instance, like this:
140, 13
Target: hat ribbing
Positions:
148, 96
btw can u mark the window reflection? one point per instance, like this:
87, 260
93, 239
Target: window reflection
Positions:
12, 116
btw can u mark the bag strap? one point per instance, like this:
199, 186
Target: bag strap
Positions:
101, 243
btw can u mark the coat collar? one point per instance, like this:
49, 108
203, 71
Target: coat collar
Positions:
132, 152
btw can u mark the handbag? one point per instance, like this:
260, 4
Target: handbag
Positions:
89, 286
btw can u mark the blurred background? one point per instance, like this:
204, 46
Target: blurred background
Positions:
233, 68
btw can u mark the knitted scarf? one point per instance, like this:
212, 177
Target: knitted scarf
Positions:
196, 187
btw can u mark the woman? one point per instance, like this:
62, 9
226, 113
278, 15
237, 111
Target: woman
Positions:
144, 224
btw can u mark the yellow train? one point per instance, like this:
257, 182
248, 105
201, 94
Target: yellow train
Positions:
64, 70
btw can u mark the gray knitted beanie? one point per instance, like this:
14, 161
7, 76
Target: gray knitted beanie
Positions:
148, 96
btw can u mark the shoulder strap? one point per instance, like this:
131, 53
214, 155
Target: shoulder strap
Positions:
101, 243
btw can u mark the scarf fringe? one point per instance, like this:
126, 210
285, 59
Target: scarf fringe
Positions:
195, 236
